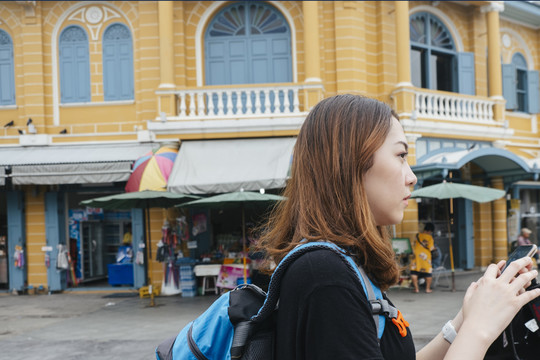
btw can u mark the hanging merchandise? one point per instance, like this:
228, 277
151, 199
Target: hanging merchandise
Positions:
19, 256
47, 259
160, 253
171, 276
62, 262
72, 278
139, 257
183, 229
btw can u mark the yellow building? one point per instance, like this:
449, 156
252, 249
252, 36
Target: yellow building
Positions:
89, 87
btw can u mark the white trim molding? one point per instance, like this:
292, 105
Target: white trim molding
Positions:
445, 20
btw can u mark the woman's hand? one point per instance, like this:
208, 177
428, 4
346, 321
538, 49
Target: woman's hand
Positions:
493, 301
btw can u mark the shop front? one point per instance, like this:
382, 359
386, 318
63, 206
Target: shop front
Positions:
51, 242
480, 232
212, 244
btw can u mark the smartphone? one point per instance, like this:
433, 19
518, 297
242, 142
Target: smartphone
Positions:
520, 252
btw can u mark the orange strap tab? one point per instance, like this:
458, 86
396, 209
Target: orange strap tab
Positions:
401, 324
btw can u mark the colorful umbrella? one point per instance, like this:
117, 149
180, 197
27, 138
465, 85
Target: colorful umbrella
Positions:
151, 171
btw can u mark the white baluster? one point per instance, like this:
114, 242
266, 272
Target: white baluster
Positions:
452, 109
191, 100
429, 105
475, 111
182, 96
417, 103
236, 97
296, 103
468, 109
446, 107
249, 103
267, 102
200, 104
276, 103
229, 99
257, 101
210, 104
286, 102
220, 103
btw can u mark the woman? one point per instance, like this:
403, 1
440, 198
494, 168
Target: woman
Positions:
350, 179
421, 266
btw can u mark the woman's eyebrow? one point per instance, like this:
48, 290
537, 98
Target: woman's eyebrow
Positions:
404, 145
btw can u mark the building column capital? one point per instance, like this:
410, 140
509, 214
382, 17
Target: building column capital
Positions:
497, 6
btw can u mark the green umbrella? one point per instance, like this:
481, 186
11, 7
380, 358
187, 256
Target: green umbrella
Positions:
446, 190
241, 199
140, 199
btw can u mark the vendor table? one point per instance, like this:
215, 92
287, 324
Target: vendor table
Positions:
209, 273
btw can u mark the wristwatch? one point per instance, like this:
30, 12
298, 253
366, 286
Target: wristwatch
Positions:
449, 332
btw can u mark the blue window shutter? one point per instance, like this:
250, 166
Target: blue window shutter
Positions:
118, 63
532, 91
509, 85
55, 235
16, 236
138, 242
7, 78
74, 63
83, 73
466, 80
109, 71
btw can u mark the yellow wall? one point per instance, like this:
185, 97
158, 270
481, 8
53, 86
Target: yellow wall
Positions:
35, 237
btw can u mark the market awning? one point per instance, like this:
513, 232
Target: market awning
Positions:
219, 166
494, 162
69, 164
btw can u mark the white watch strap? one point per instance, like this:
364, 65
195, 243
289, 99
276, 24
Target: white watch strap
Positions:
449, 332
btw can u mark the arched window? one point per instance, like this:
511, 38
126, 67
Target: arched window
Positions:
435, 63
74, 65
248, 42
520, 86
117, 63
7, 78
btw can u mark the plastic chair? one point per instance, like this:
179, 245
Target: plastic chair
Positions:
441, 270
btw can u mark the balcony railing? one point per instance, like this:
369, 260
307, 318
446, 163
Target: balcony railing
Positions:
240, 101
453, 107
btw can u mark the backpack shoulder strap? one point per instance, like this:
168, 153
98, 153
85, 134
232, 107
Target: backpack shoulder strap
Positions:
380, 307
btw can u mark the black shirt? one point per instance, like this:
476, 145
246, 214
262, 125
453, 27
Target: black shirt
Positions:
324, 314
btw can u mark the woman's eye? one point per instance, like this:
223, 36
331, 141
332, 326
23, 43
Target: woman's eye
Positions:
404, 155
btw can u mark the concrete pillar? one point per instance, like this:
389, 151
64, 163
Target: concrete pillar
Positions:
166, 57
494, 57
403, 45
483, 234
166, 61
500, 247
312, 53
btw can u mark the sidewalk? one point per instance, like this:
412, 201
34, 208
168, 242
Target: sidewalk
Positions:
120, 326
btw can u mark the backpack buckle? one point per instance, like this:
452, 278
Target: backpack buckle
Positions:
383, 307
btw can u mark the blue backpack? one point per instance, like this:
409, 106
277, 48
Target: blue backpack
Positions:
240, 323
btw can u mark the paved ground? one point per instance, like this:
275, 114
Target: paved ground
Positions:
96, 326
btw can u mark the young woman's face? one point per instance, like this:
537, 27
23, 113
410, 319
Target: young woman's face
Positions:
388, 182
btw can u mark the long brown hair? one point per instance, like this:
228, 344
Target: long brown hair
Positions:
326, 198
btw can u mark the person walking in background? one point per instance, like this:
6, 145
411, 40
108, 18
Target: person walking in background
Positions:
350, 180
525, 239
421, 265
